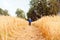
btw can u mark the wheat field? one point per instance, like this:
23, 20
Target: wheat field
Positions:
46, 28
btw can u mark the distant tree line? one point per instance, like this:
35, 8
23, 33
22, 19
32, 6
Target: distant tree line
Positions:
39, 8
19, 13
4, 12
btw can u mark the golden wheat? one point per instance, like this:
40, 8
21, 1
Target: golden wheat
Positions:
49, 26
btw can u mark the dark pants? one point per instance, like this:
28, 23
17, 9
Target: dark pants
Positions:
29, 23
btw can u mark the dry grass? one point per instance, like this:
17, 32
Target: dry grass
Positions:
12, 28
46, 28
49, 26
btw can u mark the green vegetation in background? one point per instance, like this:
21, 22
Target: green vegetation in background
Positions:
41, 8
4, 12
20, 13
